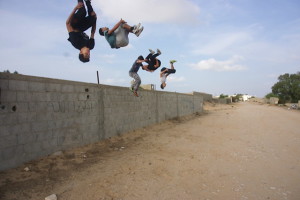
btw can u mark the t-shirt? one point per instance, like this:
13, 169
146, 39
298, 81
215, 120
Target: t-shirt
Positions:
163, 78
111, 39
135, 67
80, 39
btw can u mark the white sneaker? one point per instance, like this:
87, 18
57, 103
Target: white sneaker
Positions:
158, 51
139, 31
136, 28
151, 51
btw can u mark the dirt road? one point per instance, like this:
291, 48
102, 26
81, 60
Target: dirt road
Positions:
242, 151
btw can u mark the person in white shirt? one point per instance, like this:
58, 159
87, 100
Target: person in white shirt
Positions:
165, 72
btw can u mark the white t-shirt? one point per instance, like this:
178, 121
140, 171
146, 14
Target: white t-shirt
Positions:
163, 78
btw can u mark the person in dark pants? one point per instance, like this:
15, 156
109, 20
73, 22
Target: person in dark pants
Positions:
77, 23
133, 73
165, 72
153, 62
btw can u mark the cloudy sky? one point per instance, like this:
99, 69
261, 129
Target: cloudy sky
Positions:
222, 46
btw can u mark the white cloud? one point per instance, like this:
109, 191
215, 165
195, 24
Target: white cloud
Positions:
176, 79
221, 42
113, 81
153, 11
227, 65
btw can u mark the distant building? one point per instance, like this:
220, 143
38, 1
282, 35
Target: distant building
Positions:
148, 87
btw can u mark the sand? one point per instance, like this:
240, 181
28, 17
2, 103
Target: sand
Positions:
239, 151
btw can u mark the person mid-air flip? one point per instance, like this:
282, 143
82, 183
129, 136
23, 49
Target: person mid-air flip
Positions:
77, 23
165, 72
118, 36
152, 60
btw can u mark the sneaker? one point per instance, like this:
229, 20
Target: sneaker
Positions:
135, 93
139, 31
131, 89
136, 28
172, 61
158, 51
151, 51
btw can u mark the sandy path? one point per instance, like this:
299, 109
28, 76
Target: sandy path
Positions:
240, 151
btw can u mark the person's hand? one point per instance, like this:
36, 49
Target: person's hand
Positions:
123, 21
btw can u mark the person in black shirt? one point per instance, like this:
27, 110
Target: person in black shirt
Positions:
153, 62
77, 23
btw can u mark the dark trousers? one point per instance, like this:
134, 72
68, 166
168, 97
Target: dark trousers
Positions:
170, 71
152, 61
81, 21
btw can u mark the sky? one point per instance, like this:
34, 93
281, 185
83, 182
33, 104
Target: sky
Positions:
221, 46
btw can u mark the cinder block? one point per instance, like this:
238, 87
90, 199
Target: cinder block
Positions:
17, 85
67, 88
3, 84
40, 106
10, 119
39, 96
33, 148
53, 87
26, 138
8, 141
36, 87
8, 96
26, 117
39, 126
24, 96
4, 129
11, 152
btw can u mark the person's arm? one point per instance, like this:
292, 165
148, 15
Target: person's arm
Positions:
116, 26
93, 30
91, 43
140, 61
68, 22
162, 72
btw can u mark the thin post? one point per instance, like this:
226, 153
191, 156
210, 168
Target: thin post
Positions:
98, 77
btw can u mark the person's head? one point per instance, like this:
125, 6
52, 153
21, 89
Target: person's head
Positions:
84, 54
102, 30
163, 85
157, 63
140, 57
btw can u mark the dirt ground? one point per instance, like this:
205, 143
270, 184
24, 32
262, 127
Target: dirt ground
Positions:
243, 151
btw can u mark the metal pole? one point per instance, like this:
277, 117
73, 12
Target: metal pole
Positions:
98, 77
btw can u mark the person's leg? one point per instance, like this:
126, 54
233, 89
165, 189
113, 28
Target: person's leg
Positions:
79, 17
131, 74
89, 8
90, 20
81, 12
149, 56
155, 55
137, 81
122, 39
127, 27
172, 70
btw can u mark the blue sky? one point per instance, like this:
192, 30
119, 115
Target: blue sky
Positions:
222, 46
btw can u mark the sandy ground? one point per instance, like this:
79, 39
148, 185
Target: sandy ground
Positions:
240, 151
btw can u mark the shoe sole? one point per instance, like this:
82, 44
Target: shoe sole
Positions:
139, 31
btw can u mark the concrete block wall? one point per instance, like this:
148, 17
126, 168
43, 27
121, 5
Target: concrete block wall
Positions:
39, 116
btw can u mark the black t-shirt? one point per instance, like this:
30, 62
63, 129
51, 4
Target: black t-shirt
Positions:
80, 39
